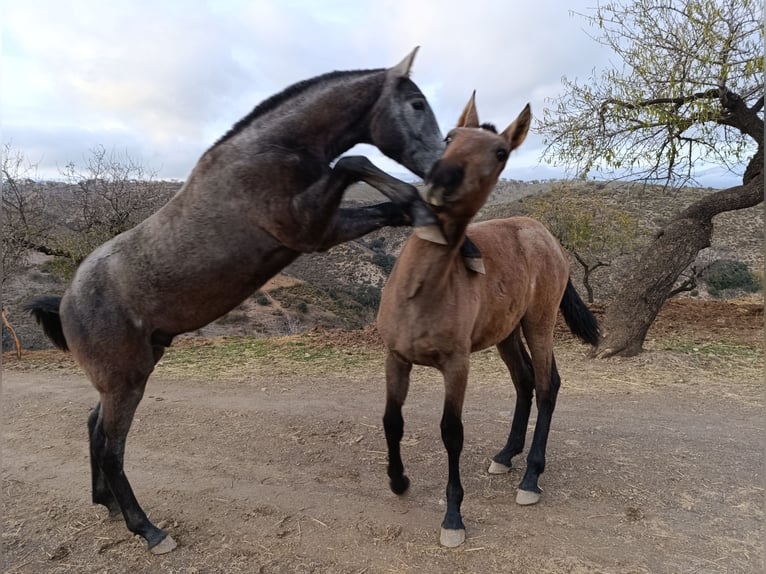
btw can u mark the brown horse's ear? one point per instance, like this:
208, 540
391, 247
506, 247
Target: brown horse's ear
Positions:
516, 133
402, 69
470, 117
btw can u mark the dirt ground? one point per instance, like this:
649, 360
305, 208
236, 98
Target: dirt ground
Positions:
275, 463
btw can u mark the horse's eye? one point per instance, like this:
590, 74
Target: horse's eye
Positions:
501, 154
418, 105
448, 140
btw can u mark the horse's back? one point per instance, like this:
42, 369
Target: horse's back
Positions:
526, 275
519, 240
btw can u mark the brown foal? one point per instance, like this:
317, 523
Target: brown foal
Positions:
435, 312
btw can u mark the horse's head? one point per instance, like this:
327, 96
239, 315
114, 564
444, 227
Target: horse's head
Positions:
403, 126
461, 181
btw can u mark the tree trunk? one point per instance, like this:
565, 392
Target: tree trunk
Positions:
658, 266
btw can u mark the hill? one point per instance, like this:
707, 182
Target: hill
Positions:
341, 288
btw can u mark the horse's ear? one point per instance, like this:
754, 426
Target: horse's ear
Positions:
402, 69
470, 117
516, 133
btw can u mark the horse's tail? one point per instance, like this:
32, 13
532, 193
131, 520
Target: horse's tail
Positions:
578, 317
46, 311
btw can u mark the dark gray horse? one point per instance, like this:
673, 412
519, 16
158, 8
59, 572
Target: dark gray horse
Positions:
258, 198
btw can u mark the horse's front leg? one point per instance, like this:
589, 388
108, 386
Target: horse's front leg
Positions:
318, 205
397, 385
455, 380
354, 222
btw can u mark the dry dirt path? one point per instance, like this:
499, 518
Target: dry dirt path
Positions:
278, 466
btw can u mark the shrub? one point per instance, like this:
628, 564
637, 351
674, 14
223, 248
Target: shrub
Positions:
261, 299
377, 244
724, 275
367, 296
385, 262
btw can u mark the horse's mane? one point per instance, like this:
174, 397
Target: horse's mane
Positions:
489, 127
291, 91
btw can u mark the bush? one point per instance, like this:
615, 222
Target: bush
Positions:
60, 267
725, 275
385, 262
261, 299
367, 296
378, 244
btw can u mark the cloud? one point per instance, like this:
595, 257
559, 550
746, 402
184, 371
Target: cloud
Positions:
164, 79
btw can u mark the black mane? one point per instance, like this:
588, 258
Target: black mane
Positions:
489, 127
273, 101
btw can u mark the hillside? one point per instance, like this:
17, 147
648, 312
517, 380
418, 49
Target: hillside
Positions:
341, 288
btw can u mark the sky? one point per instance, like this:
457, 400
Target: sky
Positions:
162, 80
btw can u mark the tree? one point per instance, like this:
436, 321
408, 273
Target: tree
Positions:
687, 91
111, 194
593, 234
25, 226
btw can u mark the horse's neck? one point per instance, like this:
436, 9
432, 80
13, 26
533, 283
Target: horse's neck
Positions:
429, 266
454, 230
325, 119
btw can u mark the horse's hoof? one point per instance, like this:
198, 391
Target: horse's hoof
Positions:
431, 233
527, 497
498, 468
475, 264
451, 538
166, 545
400, 486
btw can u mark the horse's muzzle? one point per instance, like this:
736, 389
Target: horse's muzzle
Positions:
444, 180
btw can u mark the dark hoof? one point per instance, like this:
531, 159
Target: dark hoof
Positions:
393, 214
400, 486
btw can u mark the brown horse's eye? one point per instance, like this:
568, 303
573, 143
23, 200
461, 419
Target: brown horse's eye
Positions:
418, 105
501, 154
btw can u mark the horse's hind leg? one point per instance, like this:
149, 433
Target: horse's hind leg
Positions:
119, 401
397, 385
547, 383
100, 489
519, 364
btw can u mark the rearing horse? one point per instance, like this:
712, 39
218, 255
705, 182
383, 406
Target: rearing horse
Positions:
435, 312
259, 197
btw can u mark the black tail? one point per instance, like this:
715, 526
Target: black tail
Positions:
46, 311
578, 317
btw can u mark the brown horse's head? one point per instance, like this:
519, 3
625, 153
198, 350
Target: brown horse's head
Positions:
461, 181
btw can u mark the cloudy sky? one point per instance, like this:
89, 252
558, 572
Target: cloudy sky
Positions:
161, 80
